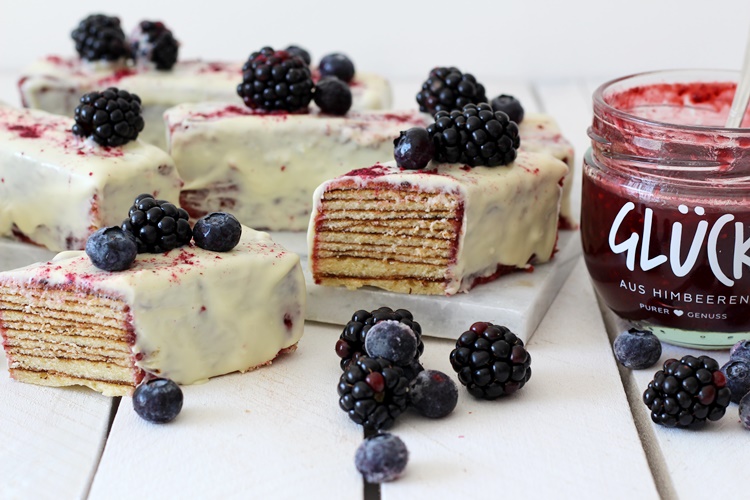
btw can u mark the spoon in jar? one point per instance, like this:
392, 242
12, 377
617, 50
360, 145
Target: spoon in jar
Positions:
742, 94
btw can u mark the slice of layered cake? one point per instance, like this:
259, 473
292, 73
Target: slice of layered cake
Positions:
264, 166
435, 231
56, 188
187, 314
150, 69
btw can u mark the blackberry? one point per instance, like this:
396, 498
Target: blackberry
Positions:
447, 89
491, 361
218, 232
637, 349
298, 51
737, 374
413, 149
373, 392
687, 392
100, 37
337, 65
510, 106
275, 81
153, 42
333, 96
111, 117
351, 343
111, 249
157, 225
475, 136
433, 394
381, 457
159, 400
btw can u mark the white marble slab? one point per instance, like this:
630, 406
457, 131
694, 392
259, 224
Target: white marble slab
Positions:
567, 434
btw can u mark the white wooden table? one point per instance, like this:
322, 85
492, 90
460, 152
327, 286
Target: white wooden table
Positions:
577, 430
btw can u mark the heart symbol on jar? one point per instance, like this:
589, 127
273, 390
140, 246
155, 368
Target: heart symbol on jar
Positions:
678, 312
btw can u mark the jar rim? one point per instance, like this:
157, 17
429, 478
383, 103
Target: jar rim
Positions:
600, 102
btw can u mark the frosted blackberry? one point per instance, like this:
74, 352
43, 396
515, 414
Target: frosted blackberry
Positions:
157, 225
275, 81
447, 89
413, 149
298, 51
381, 458
111, 117
337, 65
687, 392
153, 42
491, 361
218, 232
373, 392
433, 394
637, 349
393, 341
351, 343
111, 249
740, 351
333, 96
159, 400
100, 37
475, 136
737, 374
510, 106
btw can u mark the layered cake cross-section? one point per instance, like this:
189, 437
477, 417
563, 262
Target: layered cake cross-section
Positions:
439, 231
188, 314
56, 188
263, 167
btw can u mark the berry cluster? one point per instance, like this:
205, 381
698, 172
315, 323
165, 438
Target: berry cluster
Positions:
157, 225
100, 37
276, 80
110, 118
154, 43
447, 89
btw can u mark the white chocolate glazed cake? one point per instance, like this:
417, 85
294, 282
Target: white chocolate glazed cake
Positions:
188, 314
56, 188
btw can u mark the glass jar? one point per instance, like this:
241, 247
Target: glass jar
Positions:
665, 221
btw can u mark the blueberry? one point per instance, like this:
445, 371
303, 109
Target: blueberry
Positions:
413, 149
159, 400
333, 96
391, 340
433, 394
218, 232
299, 52
738, 378
740, 351
337, 65
745, 411
111, 249
381, 458
508, 105
637, 349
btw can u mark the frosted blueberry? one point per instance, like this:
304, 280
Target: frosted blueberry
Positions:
637, 349
433, 394
393, 341
218, 232
381, 458
159, 400
740, 351
738, 378
111, 249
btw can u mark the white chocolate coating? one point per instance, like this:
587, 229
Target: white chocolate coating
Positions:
55, 84
56, 188
196, 314
263, 168
510, 212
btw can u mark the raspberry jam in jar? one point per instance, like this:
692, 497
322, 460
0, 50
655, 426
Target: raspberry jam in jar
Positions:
665, 218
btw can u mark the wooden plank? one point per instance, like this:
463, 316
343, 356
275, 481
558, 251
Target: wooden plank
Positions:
51, 438
567, 434
276, 432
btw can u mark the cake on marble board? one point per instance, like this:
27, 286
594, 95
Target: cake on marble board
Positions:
460, 206
54, 83
56, 188
187, 314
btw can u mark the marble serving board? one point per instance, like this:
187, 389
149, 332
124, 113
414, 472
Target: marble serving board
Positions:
518, 300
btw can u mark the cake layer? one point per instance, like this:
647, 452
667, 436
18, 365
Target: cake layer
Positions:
263, 168
474, 224
188, 315
56, 188
55, 84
